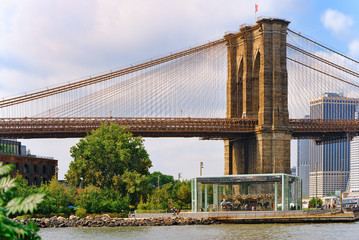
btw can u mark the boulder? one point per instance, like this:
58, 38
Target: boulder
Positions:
106, 221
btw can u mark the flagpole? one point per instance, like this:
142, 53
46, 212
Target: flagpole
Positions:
255, 12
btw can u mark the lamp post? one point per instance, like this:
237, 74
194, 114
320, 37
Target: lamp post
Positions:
341, 190
200, 168
81, 180
57, 173
316, 185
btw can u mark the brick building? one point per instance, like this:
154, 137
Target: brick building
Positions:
34, 169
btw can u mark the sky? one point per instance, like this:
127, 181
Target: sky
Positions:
45, 43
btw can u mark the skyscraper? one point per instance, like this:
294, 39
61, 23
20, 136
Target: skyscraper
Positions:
303, 146
332, 159
354, 162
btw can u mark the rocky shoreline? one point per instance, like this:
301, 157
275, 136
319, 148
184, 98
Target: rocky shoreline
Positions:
106, 221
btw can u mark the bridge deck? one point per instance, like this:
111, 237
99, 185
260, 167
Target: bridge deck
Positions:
208, 128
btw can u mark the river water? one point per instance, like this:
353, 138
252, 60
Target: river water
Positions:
223, 231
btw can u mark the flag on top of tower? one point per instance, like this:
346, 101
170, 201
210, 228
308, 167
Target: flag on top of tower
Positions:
255, 8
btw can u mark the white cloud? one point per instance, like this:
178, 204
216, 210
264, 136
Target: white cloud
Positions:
336, 21
57, 41
49, 37
354, 48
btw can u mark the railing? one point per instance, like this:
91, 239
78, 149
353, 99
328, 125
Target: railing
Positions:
151, 127
324, 125
172, 127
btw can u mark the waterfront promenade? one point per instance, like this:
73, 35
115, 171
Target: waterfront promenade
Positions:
203, 218
297, 216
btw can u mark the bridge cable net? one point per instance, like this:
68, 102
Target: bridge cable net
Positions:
317, 73
190, 83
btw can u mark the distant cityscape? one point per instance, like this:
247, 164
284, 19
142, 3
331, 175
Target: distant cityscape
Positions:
328, 168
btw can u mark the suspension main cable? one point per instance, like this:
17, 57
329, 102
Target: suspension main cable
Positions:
323, 60
323, 72
310, 40
104, 77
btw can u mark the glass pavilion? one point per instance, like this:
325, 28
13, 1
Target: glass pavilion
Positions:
260, 192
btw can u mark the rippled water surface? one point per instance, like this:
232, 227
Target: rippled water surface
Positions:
227, 232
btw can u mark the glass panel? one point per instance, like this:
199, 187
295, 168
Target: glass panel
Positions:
199, 197
264, 192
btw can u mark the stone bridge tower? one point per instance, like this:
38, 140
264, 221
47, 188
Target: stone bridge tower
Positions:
257, 87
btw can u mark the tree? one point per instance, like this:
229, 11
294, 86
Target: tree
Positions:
102, 158
160, 197
58, 198
8, 205
314, 201
135, 185
157, 178
184, 195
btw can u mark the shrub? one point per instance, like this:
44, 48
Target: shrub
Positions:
313, 201
95, 200
81, 212
64, 210
89, 198
61, 215
26, 216
144, 206
118, 215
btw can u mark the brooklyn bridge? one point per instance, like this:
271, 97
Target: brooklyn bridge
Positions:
251, 88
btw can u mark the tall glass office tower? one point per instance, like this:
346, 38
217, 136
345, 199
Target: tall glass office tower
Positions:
354, 163
332, 159
303, 146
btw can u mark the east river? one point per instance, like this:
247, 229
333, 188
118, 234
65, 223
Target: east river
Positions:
207, 232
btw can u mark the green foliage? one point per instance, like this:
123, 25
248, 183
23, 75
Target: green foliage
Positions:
6, 183
95, 200
144, 206
18, 205
172, 194
313, 201
135, 185
108, 158
57, 200
184, 195
180, 202
59, 197
5, 169
8, 228
160, 198
89, 198
118, 215
81, 212
163, 179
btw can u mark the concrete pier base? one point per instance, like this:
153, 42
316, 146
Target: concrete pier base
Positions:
242, 217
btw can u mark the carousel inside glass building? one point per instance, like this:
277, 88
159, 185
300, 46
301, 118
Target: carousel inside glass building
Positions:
250, 192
